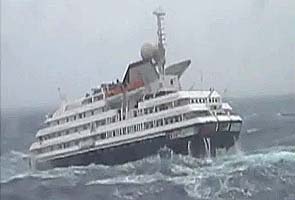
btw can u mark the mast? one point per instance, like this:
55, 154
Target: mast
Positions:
161, 38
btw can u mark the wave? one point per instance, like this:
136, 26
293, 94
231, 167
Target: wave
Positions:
250, 116
236, 175
286, 114
239, 175
252, 130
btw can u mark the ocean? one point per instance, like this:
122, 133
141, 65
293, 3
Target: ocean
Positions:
261, 166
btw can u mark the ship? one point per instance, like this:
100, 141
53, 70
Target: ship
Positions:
137, 117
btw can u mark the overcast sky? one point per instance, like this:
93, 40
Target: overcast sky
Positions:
244, 46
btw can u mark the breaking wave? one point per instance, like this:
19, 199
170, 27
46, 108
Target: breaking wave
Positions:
259, 175
252, 130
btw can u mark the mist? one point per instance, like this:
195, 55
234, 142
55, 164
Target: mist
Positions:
243, 47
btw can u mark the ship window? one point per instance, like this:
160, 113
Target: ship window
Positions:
171, 81
235, 127
67, 119
166, 121
57, 121
159, 122
194, 114
213, 107
110, 134
223, 126
103, 136
182, 102
150, 124
163, 107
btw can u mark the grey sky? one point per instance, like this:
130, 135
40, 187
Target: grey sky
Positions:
245, 46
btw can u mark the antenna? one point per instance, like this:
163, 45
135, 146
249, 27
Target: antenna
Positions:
161, 36
62, 96
201, 79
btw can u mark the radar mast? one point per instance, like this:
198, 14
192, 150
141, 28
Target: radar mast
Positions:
159, 13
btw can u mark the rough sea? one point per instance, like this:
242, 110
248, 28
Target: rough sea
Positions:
261, 166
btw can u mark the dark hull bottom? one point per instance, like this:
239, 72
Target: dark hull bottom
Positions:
195, 144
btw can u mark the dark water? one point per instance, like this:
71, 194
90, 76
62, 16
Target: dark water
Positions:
261, 166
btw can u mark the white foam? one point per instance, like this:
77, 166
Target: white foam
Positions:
252, 130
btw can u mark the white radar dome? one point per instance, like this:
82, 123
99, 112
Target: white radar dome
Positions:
147, 51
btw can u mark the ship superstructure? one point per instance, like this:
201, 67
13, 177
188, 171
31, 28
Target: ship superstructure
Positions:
135, 117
